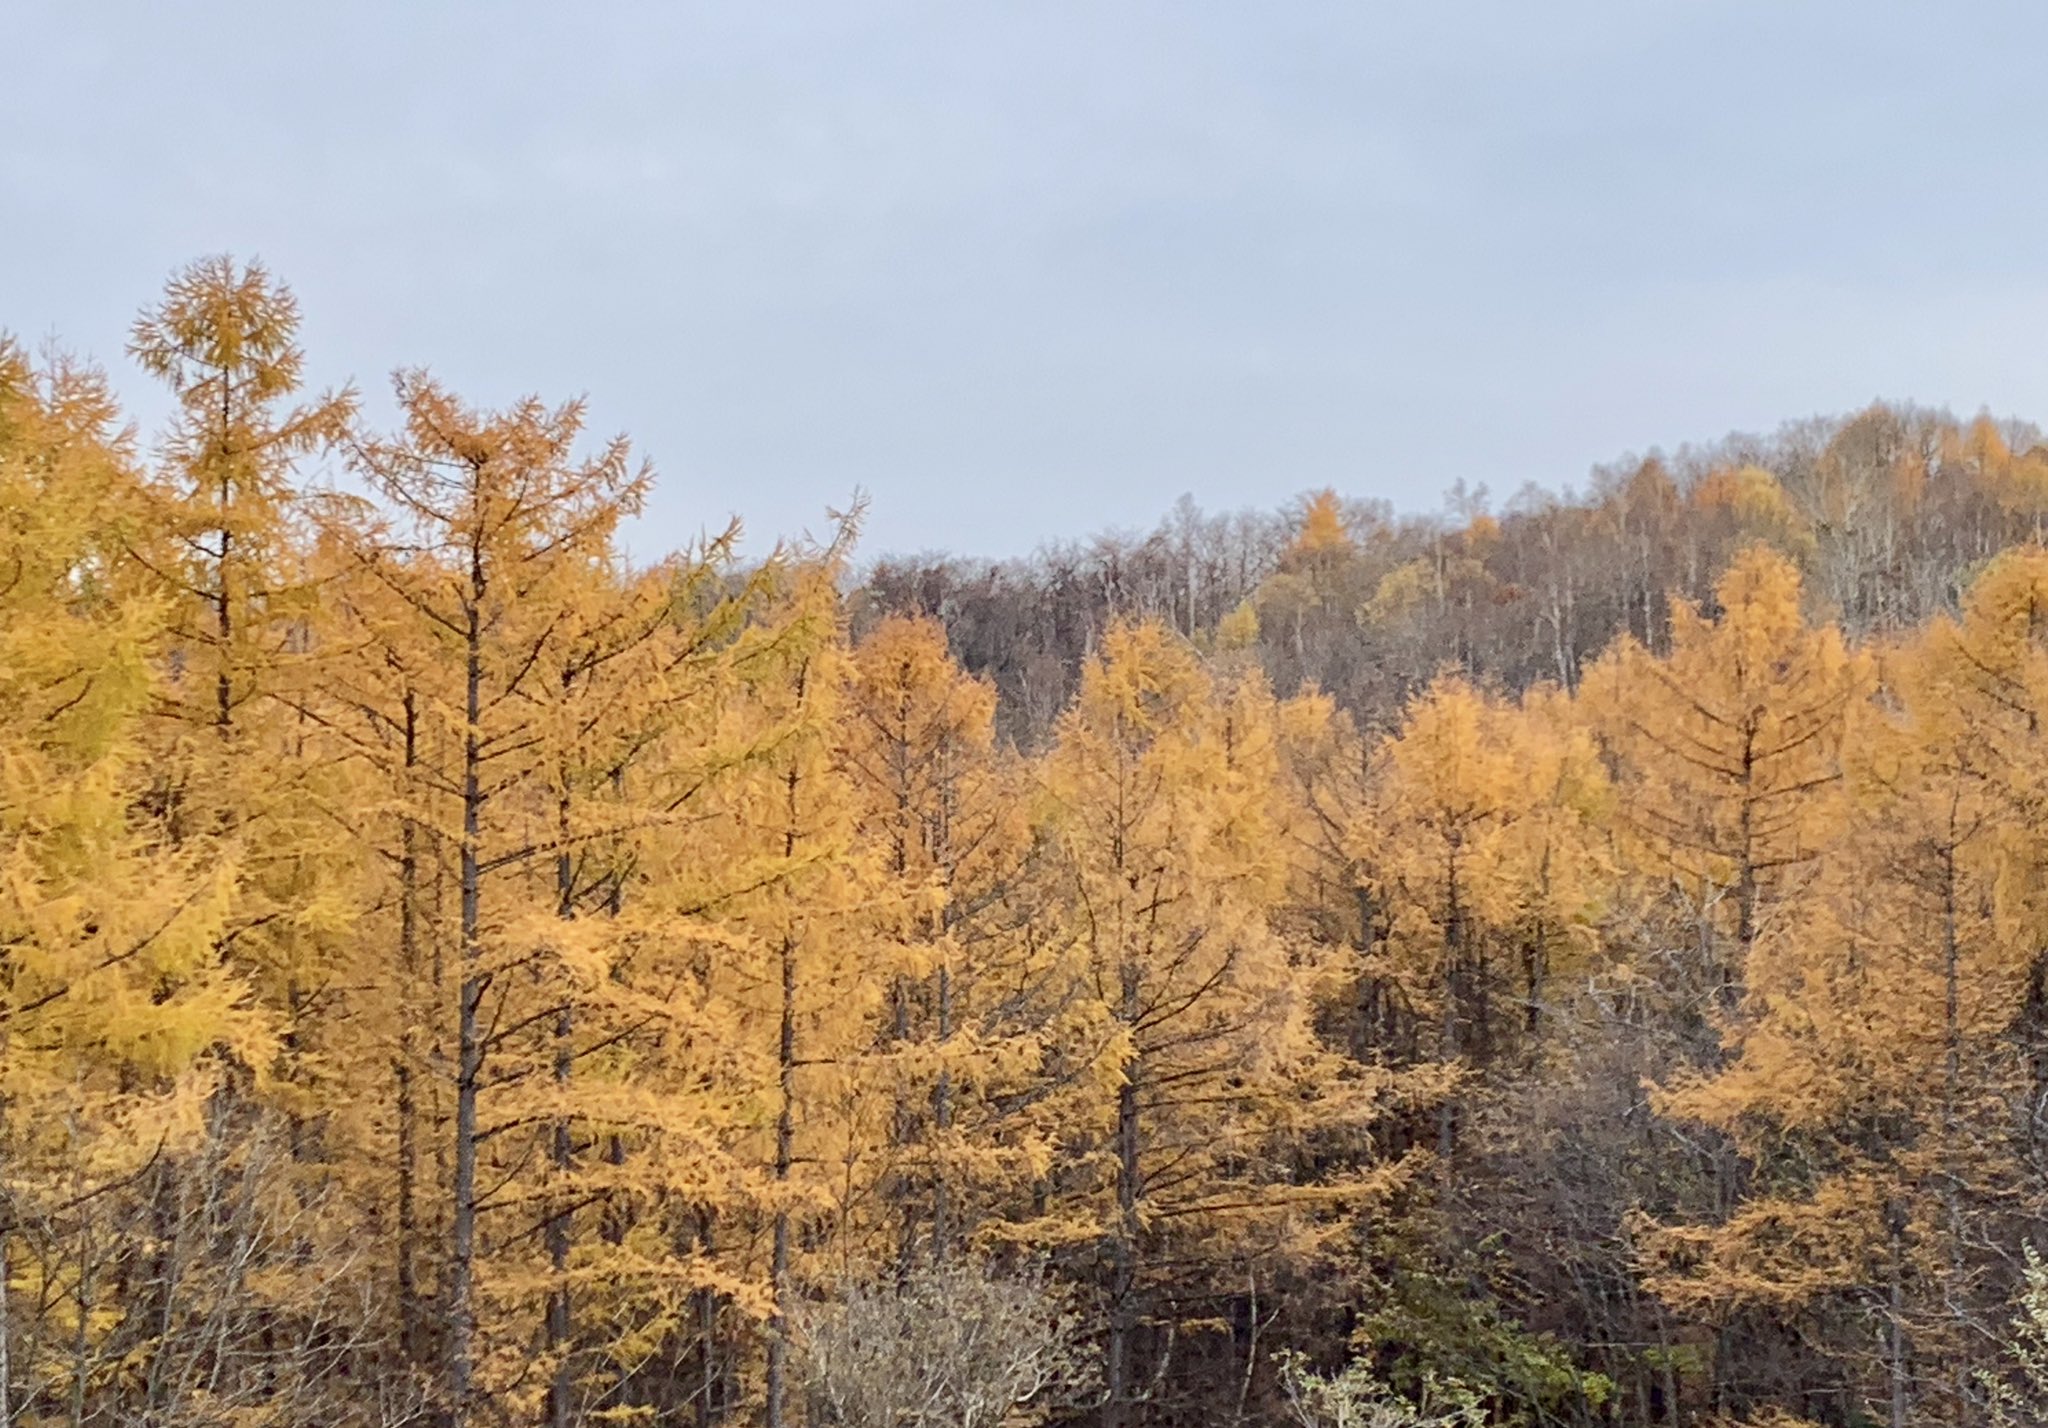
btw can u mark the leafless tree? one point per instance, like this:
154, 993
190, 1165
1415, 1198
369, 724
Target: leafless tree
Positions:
957, 1346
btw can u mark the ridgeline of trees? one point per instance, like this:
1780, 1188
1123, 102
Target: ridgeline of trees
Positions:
1586, 964
1890, 513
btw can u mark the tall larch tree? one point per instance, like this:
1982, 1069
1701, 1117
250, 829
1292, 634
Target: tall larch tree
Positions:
804, 924
947, 816
228, 544
121, 1013
641, 1140
502, 538
1729, 789
1879, 1072
1158, 801
1730, 749
1883, 1070
1433, 846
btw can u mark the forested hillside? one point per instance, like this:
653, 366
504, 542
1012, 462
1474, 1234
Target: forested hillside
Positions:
1889, 512
1582, 964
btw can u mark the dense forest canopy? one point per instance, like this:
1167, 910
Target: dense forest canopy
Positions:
1585, 963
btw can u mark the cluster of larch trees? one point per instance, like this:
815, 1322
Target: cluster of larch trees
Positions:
454, 974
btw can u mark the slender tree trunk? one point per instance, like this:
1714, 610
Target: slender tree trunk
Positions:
1956, 1291
560, 1324
80, 1344
785, 1142
1896, 1341
6, 1336
942, 1123
785, 1131
707, 1335
223, 609
942, 1087
1667, 1367
903, 1130
1536, 959
1448, 1048
1952, 1023
903, 1124
408, 1057
1123, 1289
560, 1320
1733, 976
166, 1205
469, 1028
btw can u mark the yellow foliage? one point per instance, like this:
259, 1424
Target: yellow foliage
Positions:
1239, 629
431, 933
1401, 590
1758, 505
1322, 530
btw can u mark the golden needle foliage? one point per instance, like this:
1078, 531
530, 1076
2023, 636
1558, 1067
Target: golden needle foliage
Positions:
458, 973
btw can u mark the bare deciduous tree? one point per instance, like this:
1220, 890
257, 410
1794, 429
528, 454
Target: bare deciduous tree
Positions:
957, 1346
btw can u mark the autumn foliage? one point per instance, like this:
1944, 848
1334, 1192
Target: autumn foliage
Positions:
457, 973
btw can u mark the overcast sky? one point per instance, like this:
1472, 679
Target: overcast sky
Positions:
1036, 268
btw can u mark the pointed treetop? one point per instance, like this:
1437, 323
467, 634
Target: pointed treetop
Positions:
1322, 526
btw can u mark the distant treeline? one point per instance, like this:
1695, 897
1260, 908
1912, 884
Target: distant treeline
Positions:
1889, 511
